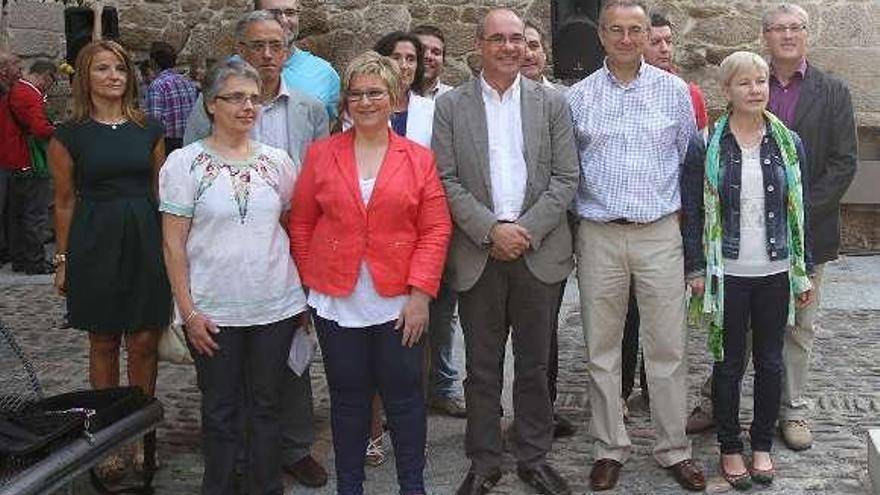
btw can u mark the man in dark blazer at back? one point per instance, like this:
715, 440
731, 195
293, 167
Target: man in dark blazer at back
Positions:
506, 156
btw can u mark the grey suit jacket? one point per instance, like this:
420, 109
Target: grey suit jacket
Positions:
306, 122
460, 143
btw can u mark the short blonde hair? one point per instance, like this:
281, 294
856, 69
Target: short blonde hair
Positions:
371, 63
737, 62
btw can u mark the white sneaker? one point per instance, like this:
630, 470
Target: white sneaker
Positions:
796, 434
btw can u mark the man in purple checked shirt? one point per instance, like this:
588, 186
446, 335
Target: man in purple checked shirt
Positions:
171, 95
819, 108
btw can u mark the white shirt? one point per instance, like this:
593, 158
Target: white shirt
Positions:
271, 125
438, 90
240, 269
753, 260
507, 162
364, 307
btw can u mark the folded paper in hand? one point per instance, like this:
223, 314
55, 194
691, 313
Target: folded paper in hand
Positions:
302, 348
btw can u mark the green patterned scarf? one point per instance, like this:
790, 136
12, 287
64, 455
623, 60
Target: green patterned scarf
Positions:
711, 304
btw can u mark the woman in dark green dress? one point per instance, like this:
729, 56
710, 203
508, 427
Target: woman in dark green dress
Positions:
105, 162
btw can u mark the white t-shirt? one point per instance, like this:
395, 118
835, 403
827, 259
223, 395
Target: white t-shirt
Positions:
364, 307
753, 260
240, 269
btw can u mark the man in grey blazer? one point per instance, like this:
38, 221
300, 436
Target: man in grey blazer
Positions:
534, 64
302, 116
507, 159
288, 120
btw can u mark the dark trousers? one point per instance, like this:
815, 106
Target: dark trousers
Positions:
507, 296
28, 206
358, 362
553, 361
260, 352
5, 179
764, 302
630, 350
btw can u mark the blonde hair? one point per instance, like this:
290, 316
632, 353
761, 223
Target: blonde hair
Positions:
371, 63
82, 95
737, 62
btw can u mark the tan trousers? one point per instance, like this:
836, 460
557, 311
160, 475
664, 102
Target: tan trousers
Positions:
609, 256
796, 354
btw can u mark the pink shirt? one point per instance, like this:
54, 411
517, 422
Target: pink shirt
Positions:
784, 99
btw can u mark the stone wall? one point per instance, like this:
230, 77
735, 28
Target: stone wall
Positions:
845, 34
844, 37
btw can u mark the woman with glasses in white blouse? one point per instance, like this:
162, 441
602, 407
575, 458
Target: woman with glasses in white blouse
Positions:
225, 201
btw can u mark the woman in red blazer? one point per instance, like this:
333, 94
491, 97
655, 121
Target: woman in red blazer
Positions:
369, 230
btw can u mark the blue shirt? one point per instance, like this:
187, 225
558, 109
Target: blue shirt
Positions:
313, 76
632, 138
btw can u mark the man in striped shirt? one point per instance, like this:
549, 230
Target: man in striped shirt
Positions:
632, 125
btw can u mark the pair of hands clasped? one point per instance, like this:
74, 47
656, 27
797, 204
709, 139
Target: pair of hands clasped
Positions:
412, 323
698, 286
508, 241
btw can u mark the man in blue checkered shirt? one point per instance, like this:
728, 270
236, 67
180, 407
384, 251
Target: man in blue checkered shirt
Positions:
632, 125
171, 95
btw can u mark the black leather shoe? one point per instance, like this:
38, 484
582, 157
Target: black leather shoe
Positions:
477, 484
562, 427
39, 269
544, 479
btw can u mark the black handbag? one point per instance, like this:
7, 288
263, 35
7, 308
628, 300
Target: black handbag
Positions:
36, 429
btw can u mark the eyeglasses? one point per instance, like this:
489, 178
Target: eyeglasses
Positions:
239, 99
780, 29
499, 40
372, 95
285, 12
260, 46
619, 31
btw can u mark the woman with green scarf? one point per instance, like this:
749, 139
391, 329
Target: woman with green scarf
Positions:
747, 255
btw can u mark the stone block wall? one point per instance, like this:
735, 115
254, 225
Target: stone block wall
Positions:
844, 40
845, 34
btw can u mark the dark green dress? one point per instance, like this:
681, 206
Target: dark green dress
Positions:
116, 279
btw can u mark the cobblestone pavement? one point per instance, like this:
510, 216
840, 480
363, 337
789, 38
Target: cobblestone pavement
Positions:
845, 385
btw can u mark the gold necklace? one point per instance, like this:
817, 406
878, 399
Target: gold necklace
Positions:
113, 124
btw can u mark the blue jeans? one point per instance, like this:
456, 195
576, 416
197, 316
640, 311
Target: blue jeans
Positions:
763, 301
358, 362
441, 329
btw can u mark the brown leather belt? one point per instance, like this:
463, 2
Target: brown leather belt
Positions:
622, 221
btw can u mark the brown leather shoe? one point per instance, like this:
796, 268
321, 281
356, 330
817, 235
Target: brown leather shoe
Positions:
604, 474
689, 475
307, 471
699, 421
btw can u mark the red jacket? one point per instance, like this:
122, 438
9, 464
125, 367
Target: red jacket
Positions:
22, 114
402, 233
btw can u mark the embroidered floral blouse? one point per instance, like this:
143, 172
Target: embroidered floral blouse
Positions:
240, 269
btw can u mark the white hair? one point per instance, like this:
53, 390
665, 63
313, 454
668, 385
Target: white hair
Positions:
784, 8
737, 62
